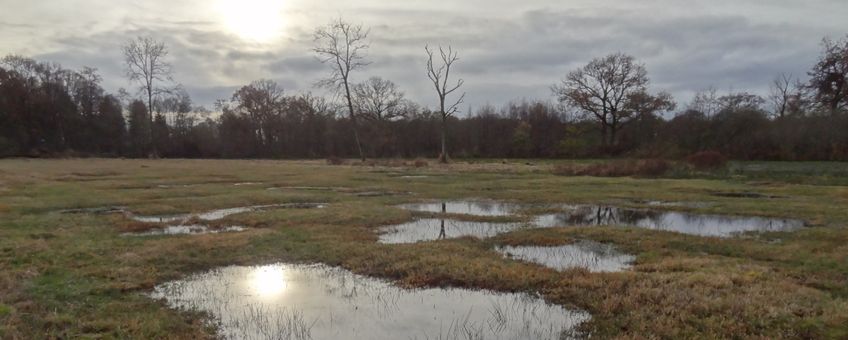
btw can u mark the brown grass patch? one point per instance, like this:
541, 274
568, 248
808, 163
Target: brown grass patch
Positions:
619, 168
707, 160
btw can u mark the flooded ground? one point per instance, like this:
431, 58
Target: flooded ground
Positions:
476, 208
682, 222
222, 213
186, 230
593, 256
431, 229
319, 302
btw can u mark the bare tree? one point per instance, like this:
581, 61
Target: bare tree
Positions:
342, 45
706, 102
612, 90
440, 76
829, 77
378, 99
781, 94
145, 65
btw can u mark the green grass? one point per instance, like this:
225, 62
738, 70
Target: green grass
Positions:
73, 275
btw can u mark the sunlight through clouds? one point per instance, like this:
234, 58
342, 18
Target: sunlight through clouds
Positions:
259, 21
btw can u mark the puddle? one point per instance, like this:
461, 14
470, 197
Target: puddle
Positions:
438, 229
381, 193
745, 195
681, 222
245, 184
170, 186
309, 188
676, 204
222, 213
319, 302
415, 176
476, 208
593, 256
186, 230
96, 210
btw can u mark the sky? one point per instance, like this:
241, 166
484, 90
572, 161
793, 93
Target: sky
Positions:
508, 49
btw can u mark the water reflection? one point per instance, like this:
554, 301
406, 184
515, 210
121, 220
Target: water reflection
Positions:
269, 281
476, 208
222, 213
593, 256
321, 302
193, 229
431, 229
682, 222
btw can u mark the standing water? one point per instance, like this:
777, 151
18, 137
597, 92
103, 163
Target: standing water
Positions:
681, 222
592, 256
285, 301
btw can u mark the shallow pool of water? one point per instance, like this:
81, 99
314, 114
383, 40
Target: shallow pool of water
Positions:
186, 230
431, 229
681, 222
320, 302
222, 213
476, 208
593, 256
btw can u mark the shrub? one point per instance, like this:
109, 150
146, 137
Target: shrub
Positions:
421, 163
332, 160
707, 160
621, 168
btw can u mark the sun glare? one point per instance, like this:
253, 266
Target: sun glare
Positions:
254, 20
269, 281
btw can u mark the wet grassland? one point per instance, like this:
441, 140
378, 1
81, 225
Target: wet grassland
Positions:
156, 248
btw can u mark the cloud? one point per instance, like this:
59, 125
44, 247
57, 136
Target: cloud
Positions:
508, 49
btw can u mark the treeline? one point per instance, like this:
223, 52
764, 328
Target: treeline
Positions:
48, 111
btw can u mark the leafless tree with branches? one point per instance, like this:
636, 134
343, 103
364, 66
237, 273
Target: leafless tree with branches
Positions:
378, 99
781, 94
342, 45
145, 65
613, 90
439, 73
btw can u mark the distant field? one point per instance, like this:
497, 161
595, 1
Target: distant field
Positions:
73, 275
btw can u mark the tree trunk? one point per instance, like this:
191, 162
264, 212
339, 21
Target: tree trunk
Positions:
353, 121
151, 144
444, 156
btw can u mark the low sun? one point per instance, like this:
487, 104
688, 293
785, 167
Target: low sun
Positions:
254, 20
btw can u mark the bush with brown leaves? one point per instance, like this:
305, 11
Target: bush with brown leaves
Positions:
707, 160
619, 168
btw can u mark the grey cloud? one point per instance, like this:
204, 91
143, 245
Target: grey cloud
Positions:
509, 49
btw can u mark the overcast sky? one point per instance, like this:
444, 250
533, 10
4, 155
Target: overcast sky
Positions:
509, 49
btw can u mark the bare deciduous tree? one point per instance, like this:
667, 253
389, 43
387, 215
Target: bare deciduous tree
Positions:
378, 99
829, 77
781, 94
342, 45
612, 90
145, 64
706, 102
440, 76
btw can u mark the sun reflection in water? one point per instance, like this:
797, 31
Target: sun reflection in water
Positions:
269, 281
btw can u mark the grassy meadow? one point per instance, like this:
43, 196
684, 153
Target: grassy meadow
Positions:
74, 275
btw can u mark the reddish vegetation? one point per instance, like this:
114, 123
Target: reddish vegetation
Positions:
707, 160
332, 160
622, 168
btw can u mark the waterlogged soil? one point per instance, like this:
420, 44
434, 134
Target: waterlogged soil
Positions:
431, 229
592, 256
681, 222
475, 208
320, 302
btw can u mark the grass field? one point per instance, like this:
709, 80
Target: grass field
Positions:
75, 276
